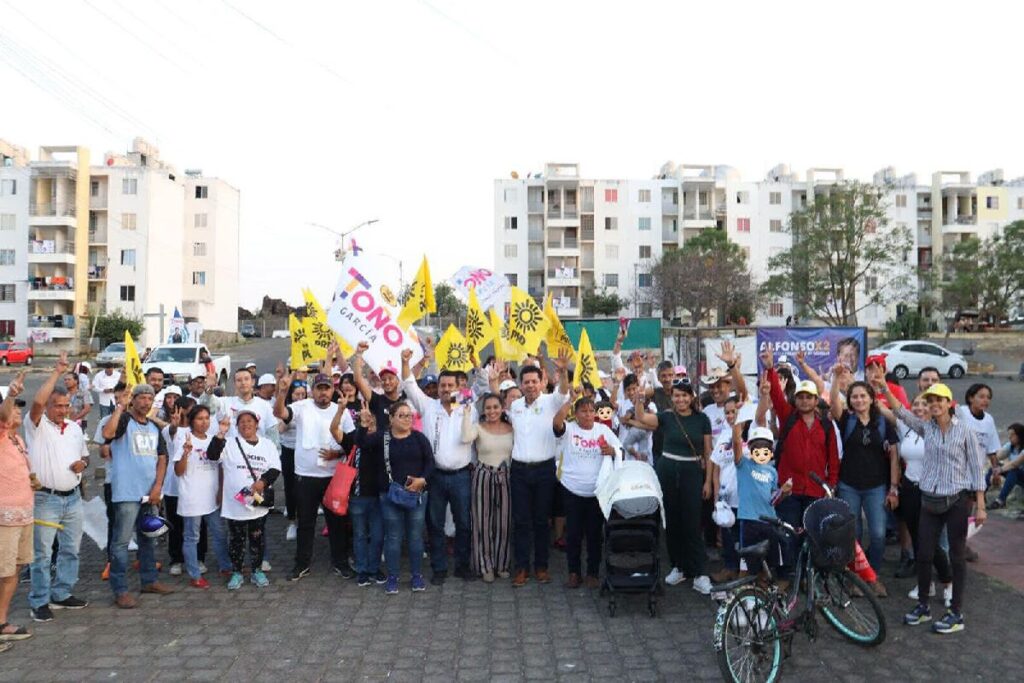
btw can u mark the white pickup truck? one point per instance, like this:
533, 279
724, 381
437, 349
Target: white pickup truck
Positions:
180, 361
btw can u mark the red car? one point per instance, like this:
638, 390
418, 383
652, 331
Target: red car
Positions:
12, 352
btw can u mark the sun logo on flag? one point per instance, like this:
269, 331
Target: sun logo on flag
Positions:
474, 326
585, 363
526, 317
456, 353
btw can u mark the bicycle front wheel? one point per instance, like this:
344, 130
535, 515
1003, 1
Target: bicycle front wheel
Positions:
747, 638
858, 619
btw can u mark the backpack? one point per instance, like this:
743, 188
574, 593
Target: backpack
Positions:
851, 425
787, 427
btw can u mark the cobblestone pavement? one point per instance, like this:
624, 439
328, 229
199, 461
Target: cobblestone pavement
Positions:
326, 628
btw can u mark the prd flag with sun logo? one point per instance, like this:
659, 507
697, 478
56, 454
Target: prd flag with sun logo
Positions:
421, 298
452, 352
504, 348
479, 331
557, 338
301, 353
132, 366
318, 332
527, 325
586, 363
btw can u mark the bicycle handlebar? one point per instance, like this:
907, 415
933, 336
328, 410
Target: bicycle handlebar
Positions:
821, 482
778, 523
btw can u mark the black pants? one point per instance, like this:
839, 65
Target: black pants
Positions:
583, 517
176, 536
309, 491
533, 487
239, 532
955, 521
288, 472
909, 511
108, 499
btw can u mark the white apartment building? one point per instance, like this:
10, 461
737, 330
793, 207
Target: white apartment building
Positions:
560, 233
210, 269
109, 237
14, 188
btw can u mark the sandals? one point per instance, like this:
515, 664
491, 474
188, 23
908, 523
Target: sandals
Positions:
20, 633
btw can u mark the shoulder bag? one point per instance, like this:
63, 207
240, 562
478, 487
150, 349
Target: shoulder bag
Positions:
268, 491
397, 494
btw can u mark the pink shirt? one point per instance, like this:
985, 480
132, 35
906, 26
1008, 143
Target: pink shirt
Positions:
16, 495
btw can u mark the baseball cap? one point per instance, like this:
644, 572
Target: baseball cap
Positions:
250, 364
142, 389
939, 389
876, 359
806, 387
679, 370
196, 374
247, 411
322, 379
507, 384
266, 378
427, 380
760, 434
173, 389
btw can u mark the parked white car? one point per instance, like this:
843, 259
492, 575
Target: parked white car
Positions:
905, 358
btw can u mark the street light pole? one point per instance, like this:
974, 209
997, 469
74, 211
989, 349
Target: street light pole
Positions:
339, 255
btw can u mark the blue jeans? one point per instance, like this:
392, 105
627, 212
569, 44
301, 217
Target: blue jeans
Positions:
190, 545
125, 518
533, 489
1014, 477
367, 533
66, 510
791, 510
453, 488
400, 522
872, 502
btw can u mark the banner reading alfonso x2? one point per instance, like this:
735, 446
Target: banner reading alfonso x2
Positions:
823, 347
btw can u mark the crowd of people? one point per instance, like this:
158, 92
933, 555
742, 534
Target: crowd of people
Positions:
485, 467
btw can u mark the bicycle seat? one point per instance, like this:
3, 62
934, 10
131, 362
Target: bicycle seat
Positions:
754, 554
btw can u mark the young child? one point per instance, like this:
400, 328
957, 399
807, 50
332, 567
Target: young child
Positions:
723, 484
757, 485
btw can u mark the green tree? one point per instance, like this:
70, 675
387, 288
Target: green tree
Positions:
909, 325
602, 303
840, 239
110, 327
987, 275
708, 274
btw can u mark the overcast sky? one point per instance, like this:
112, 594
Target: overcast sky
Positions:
407, 110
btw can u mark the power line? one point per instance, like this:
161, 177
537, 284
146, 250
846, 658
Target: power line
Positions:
139, 40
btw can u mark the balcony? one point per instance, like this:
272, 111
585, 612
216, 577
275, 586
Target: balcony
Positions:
535, 207
587, 235
671, 236
97, 272
554, 211
566, 307
48, 251
43, 328
535, 234
51, 289
670, 208
98, 203
570, 211
52, 209
563, 277
97, 235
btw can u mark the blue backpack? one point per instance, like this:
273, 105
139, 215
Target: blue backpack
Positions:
851, 424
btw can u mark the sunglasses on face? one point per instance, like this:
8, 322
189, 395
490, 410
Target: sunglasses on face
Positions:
684, 382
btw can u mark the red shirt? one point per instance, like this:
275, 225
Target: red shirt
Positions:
805, 448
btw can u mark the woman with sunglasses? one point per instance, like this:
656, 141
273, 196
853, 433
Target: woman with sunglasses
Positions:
685, 481
869, 473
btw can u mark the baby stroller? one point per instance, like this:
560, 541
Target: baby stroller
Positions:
630, 498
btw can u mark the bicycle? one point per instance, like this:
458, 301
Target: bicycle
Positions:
756, 621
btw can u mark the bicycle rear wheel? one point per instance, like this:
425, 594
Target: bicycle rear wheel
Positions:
858, 619
747, 638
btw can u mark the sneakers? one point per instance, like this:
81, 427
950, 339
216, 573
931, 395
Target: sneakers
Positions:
913, 592
70, 602
199, 583
265, 567
391, 585
202, 568
175, 569
951, 622
298, 573
259, 579
919, 615
996, 504
364, 580
522, 576
675, 577
42, 613
132, 545
343, 572
488, 576
379, 578
947, 594
235, 582
418, 584
292, 533
702, 584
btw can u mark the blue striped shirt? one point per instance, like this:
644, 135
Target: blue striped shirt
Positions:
953, 461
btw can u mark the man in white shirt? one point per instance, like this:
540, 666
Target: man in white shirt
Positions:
58, 455
533, 467
103, 384
449, 482
245, 397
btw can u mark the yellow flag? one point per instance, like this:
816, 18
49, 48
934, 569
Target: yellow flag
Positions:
504, 348
479, 330
557, 338
318, 332
527, 325
132, 365
451, 351
302, 355
586, 365
421, 298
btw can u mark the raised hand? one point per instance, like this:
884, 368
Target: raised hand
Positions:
187, 446
225, 425
619, 374
765, 387
562, 361
766, 358
801, 358
62, 365
728, 353
17, 386
406, 355
361, 348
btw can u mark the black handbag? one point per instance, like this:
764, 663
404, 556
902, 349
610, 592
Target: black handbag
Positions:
268, 491
938, 505
398, 494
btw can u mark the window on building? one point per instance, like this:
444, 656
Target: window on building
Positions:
611, 223
513, 279
775, 225
511, 250
611, 251
643, 196
511, 222
1020, 203
991, 202
6, 257
644, 280
611, 279
901, 201
127, 257
645, 251
127, 292
7, 328
94, 188
511, 195
643, 223
646, 310
7, 293
775, 198
199, 248
775, 309
870, 283
129, 185
611, 196
8, 186
199, 278
742, 197
7, 221
742, 225
128, 221
202, 191
199, 220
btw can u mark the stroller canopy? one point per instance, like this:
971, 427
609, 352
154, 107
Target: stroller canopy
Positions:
630, 487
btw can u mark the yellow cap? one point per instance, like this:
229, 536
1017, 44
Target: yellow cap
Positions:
939, 389
806, 387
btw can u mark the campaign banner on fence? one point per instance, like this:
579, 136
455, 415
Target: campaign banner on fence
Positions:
823, 347
365, 308
492, 289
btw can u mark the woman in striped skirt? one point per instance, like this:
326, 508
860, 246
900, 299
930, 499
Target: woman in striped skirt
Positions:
492, 509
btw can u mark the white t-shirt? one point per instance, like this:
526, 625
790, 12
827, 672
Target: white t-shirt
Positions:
313, 432
719, 424
232, 404
52, 450
262, 457
581, 458
635, 438
199, 486
984, 429
723, 456
911, 448
174, 447
104, 381
533, 440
